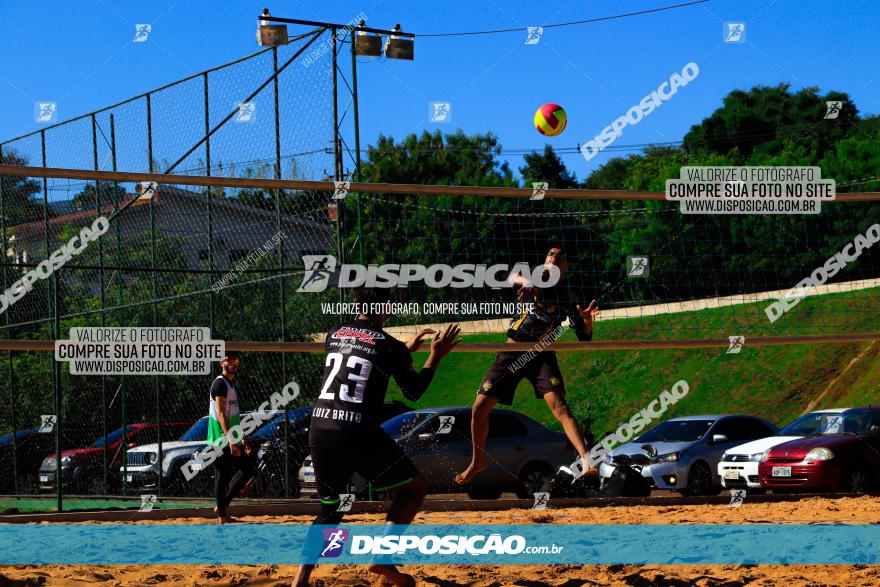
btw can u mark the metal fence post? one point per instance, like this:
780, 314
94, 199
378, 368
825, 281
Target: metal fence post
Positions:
209, 202
357, 144
54, 329
101, 281
337, 159
118, 264
157, 386
280, 256
10, 386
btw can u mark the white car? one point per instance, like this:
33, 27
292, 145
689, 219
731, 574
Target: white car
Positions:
684, 451
143, 469
738, 468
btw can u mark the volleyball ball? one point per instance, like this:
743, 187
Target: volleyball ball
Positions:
550, 119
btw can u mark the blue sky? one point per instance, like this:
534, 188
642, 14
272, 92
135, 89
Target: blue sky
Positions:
79, 54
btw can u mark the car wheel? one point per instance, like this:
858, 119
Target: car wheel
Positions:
95, 483
274, 486
856, 480
484, 493
699, 480
532, 479
80, 481
176, 486
28, 485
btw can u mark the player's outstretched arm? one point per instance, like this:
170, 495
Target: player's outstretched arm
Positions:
414, 384
442, 345
415, 343
583, 321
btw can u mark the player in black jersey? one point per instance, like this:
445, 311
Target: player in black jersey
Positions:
345, 436
552, 306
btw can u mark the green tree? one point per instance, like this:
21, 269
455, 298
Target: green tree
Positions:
762, 120
105, 192
20, 201
547, 166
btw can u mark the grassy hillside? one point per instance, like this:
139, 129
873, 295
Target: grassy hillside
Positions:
776, 382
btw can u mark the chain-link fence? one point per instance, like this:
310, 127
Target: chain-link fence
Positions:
212, 256
227, 253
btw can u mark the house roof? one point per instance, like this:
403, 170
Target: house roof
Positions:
30, 230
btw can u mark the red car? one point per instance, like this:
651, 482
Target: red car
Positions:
82, 469
844, 455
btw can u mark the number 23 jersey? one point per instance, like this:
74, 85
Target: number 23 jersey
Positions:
360, 360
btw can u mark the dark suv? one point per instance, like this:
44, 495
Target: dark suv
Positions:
31, 446
270, 438
270, 454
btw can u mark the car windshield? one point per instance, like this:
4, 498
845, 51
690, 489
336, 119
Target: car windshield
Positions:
858, 423
198, 431
676, 431
809, 424
403, 424
112, 438
270, 428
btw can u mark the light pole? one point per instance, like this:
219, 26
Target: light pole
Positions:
365, 41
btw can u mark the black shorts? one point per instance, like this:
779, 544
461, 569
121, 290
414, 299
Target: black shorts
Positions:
509, 369
337, 455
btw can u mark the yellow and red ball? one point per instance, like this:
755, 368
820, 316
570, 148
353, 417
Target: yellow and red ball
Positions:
550, 119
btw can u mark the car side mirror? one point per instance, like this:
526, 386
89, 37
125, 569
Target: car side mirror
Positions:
719, 438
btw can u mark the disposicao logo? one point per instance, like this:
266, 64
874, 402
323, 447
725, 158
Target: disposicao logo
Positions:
334, 540
319, 269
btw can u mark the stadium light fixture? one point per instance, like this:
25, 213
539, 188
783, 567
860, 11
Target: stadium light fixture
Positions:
367, 44
397, 47
269, 35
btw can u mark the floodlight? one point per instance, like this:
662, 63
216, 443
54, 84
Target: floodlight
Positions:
397, 47
271, 35
367, 44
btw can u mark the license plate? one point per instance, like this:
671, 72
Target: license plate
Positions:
44, 478
130, 477
781, 471
731, 474
310, 477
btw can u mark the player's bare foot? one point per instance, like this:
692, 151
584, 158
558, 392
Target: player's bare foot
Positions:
588, 468
390, 573
468, 474
302, 576
226, 520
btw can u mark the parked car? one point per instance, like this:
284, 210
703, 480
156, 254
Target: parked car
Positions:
31, 446
684, 452
270, 454
82, 468
143, 467
842, 455
738, 468
523, 454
